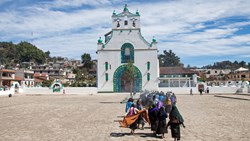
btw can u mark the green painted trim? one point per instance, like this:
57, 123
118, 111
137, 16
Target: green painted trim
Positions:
151, 49
105, 92
117, 79
131, 56
106, 76
100, 40
106, 66
148, 65
148, 76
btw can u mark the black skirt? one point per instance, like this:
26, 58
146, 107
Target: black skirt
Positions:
162, 127
175, 130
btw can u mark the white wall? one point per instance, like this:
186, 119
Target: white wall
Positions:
142, 54
68, 90
212, 90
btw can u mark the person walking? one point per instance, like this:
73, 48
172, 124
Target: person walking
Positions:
207, 90
200, 90
162, 125
132, 111
168, 105
152, 113
173, 99
128, 104
140, 118
175, 120
191, 91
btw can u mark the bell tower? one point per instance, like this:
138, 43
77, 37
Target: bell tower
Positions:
126, 19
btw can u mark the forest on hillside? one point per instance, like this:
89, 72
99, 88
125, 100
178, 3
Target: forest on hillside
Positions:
12, 54
228, 65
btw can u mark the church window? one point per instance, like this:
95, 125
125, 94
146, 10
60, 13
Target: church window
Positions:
127, 53
148, 65
107, 76
125, 22
118, 24
148, 76
133, 24
106, 66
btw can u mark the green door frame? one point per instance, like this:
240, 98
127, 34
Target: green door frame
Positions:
117, 79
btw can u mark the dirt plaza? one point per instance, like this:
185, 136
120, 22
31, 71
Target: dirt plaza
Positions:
94, 118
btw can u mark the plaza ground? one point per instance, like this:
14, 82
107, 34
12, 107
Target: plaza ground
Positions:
93, 117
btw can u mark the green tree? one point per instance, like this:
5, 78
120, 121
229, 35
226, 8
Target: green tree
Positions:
169, 59
130, 74
47, 83
86, 60
29, 52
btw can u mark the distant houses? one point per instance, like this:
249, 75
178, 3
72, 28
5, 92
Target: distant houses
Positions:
177, 77
242, 74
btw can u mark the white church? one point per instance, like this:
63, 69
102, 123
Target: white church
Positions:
122, 44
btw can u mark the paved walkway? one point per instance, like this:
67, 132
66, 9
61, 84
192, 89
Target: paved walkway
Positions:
94, 118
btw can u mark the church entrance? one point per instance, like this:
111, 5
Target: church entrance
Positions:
122, 83
125, 83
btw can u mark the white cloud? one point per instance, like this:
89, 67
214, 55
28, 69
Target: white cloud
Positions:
71, 33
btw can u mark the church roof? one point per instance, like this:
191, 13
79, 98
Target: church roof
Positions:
125, 13
241, 69
175, 70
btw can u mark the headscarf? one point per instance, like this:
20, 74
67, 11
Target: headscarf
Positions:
160, 104
175, 113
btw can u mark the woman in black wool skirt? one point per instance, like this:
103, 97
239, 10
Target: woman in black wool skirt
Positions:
175, 120
162, 125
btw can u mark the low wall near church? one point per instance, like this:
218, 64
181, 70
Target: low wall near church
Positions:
212, 90
93, 90
68, 90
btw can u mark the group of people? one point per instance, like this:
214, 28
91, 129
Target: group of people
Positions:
200, 91
158, 108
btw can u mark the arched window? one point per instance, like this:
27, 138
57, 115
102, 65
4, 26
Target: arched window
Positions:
118, 24
127, 53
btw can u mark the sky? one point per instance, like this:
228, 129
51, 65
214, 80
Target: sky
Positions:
200, 32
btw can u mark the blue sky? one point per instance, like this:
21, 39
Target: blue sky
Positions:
200, 32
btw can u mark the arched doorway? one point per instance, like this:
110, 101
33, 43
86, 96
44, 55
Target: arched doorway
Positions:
121, 82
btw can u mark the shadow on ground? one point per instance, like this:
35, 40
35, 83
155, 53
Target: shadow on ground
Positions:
144, 135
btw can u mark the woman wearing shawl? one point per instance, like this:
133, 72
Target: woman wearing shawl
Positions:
162, 126
128, 104
132, 111
175, 119
168, 105
152, 113
140, 118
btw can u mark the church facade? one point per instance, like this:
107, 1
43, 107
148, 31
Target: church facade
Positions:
124, 44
